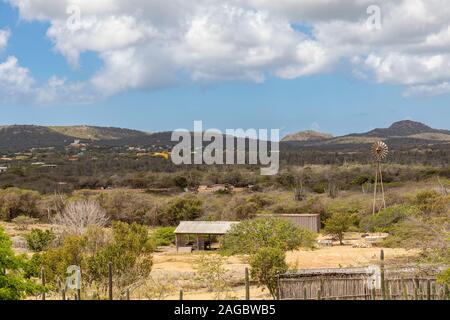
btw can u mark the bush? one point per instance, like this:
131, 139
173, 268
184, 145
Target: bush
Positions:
164, 236
432, 202
39, 240
128, 248
13, 282
249, 236
184, 208
15, 202
23, 222
266, 264
385, 220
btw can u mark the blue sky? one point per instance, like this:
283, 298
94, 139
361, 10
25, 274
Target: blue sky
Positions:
333, 100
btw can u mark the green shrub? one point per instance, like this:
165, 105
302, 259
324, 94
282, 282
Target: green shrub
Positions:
432, 202
385, 220
164, 236
266, 264
249, 236
184, 208
39, 240
129, 249
13, 282
319, 187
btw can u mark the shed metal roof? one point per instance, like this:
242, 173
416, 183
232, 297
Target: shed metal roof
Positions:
204, 227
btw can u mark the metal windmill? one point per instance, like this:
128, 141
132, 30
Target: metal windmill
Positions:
380, 151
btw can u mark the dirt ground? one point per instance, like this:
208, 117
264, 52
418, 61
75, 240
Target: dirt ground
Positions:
171, 264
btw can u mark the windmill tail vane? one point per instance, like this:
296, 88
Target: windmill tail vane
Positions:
380, 151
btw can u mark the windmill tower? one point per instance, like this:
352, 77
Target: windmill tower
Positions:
380, 150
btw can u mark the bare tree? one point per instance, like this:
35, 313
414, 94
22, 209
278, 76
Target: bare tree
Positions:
79, 215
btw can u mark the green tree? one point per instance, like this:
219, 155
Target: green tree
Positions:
39, 240
266, 264
338, 224
249, 236
184, 208
13, 284
164, 236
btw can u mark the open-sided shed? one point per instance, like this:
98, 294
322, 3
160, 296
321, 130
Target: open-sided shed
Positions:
201, 229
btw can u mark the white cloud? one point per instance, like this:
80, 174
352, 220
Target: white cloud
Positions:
14, 79
148, 44
4, 36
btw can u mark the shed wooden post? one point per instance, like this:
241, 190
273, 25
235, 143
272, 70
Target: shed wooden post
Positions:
177, 242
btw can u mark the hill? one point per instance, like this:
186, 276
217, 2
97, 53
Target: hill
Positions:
308, 135
402, 135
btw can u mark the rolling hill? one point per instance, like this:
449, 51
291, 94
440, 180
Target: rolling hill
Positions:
402, 134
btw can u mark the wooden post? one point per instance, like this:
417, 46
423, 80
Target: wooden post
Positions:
128, 294
43, 283
383, 285
110, 283
247, 284
79, 294
374, 293
404, 290
304, 293
181, 294
428, 289
319, 294
63, 294
416, 289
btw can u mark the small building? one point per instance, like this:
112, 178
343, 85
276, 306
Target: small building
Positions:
202, 231
307, 221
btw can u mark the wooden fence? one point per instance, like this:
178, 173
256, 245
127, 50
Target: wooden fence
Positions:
371, 283
351, 287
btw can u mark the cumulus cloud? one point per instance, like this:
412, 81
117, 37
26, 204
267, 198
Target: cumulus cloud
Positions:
15, 80
148, 44
4, 36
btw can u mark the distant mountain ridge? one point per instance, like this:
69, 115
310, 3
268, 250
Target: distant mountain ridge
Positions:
401, 134
308, 135
402, 130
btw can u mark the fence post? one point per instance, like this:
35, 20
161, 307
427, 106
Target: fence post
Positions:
428, 289
404, 290
247, 285
110, 282
43, 282
304, 293
128, 294
383, 285
416, 289
63, 294
181, 294
319, 294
